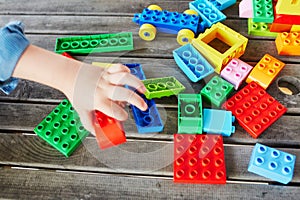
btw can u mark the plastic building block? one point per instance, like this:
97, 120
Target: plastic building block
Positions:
109, 131
222, 4
136, 69
218, 122
286, 19
295, 28
95, 43
265, 71
162, 87
199, 159
235, 72
236, 41
260, 29
9, 85
276, 27
290, 7
245, 9
192, 63
254, 109
216, 91
62, 129
166, 21
67, 55
148, 121
272, 163
190, 113
288, 43
207, 11
262, 11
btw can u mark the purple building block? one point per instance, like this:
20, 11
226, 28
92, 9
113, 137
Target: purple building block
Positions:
235, 72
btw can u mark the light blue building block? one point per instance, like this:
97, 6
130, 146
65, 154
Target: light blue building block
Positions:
8, 86
167, 22
207, 11
272, 163
148, 121
218, 122
222, 4
192, 63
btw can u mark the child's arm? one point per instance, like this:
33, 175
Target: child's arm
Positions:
88, 87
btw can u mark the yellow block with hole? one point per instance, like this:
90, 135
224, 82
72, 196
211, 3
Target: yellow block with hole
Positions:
236, 41
288, 7
265, 71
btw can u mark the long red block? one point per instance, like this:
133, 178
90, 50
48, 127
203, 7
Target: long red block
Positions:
254, 109
109, 131
199, 159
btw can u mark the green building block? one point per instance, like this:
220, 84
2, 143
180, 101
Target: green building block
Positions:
190, 113
263, 11
95, 43
216, 91
260, 29
162, 87
62, 129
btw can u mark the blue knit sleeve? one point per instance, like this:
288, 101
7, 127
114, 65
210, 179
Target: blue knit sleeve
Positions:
12, 45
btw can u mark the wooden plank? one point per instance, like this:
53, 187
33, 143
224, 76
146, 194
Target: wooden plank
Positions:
24, 117
26, 184
134, 157
99, 7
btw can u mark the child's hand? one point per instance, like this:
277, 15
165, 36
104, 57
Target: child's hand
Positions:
102, 89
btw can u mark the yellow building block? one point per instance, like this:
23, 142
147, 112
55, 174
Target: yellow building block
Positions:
102, 64
295, 28
236, 41
288, 43
288, 7
265, 71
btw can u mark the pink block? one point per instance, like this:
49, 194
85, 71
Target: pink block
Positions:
235, 72
245, 9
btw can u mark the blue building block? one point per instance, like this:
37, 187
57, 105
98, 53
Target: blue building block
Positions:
207, 11
192, 63
167, 22
218, 122
8, 86
148, 121
272, 163
222, 4
136, 69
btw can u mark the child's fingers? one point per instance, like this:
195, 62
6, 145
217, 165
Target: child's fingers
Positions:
112, 109
126, 79
115, 68
122, 94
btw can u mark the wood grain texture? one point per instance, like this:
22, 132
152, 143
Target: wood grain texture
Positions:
26, 184
135, 157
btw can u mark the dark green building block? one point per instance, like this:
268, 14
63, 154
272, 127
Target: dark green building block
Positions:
190, 113
216, 91
95, 43
260, 29
263, 11
162, 87
62, 129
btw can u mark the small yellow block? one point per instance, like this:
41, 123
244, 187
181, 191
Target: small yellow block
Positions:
288, 7
295, 28
265, 71
288, 43
102, 64
236, 41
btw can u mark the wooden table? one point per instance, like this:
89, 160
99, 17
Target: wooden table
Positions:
30, 168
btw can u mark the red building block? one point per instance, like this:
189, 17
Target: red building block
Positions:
276, 27
109, 132
67, 55
254, 109
286, 19
199, 159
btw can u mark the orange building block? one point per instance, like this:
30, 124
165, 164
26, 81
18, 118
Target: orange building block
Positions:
265, 71
288, 43
277, 27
